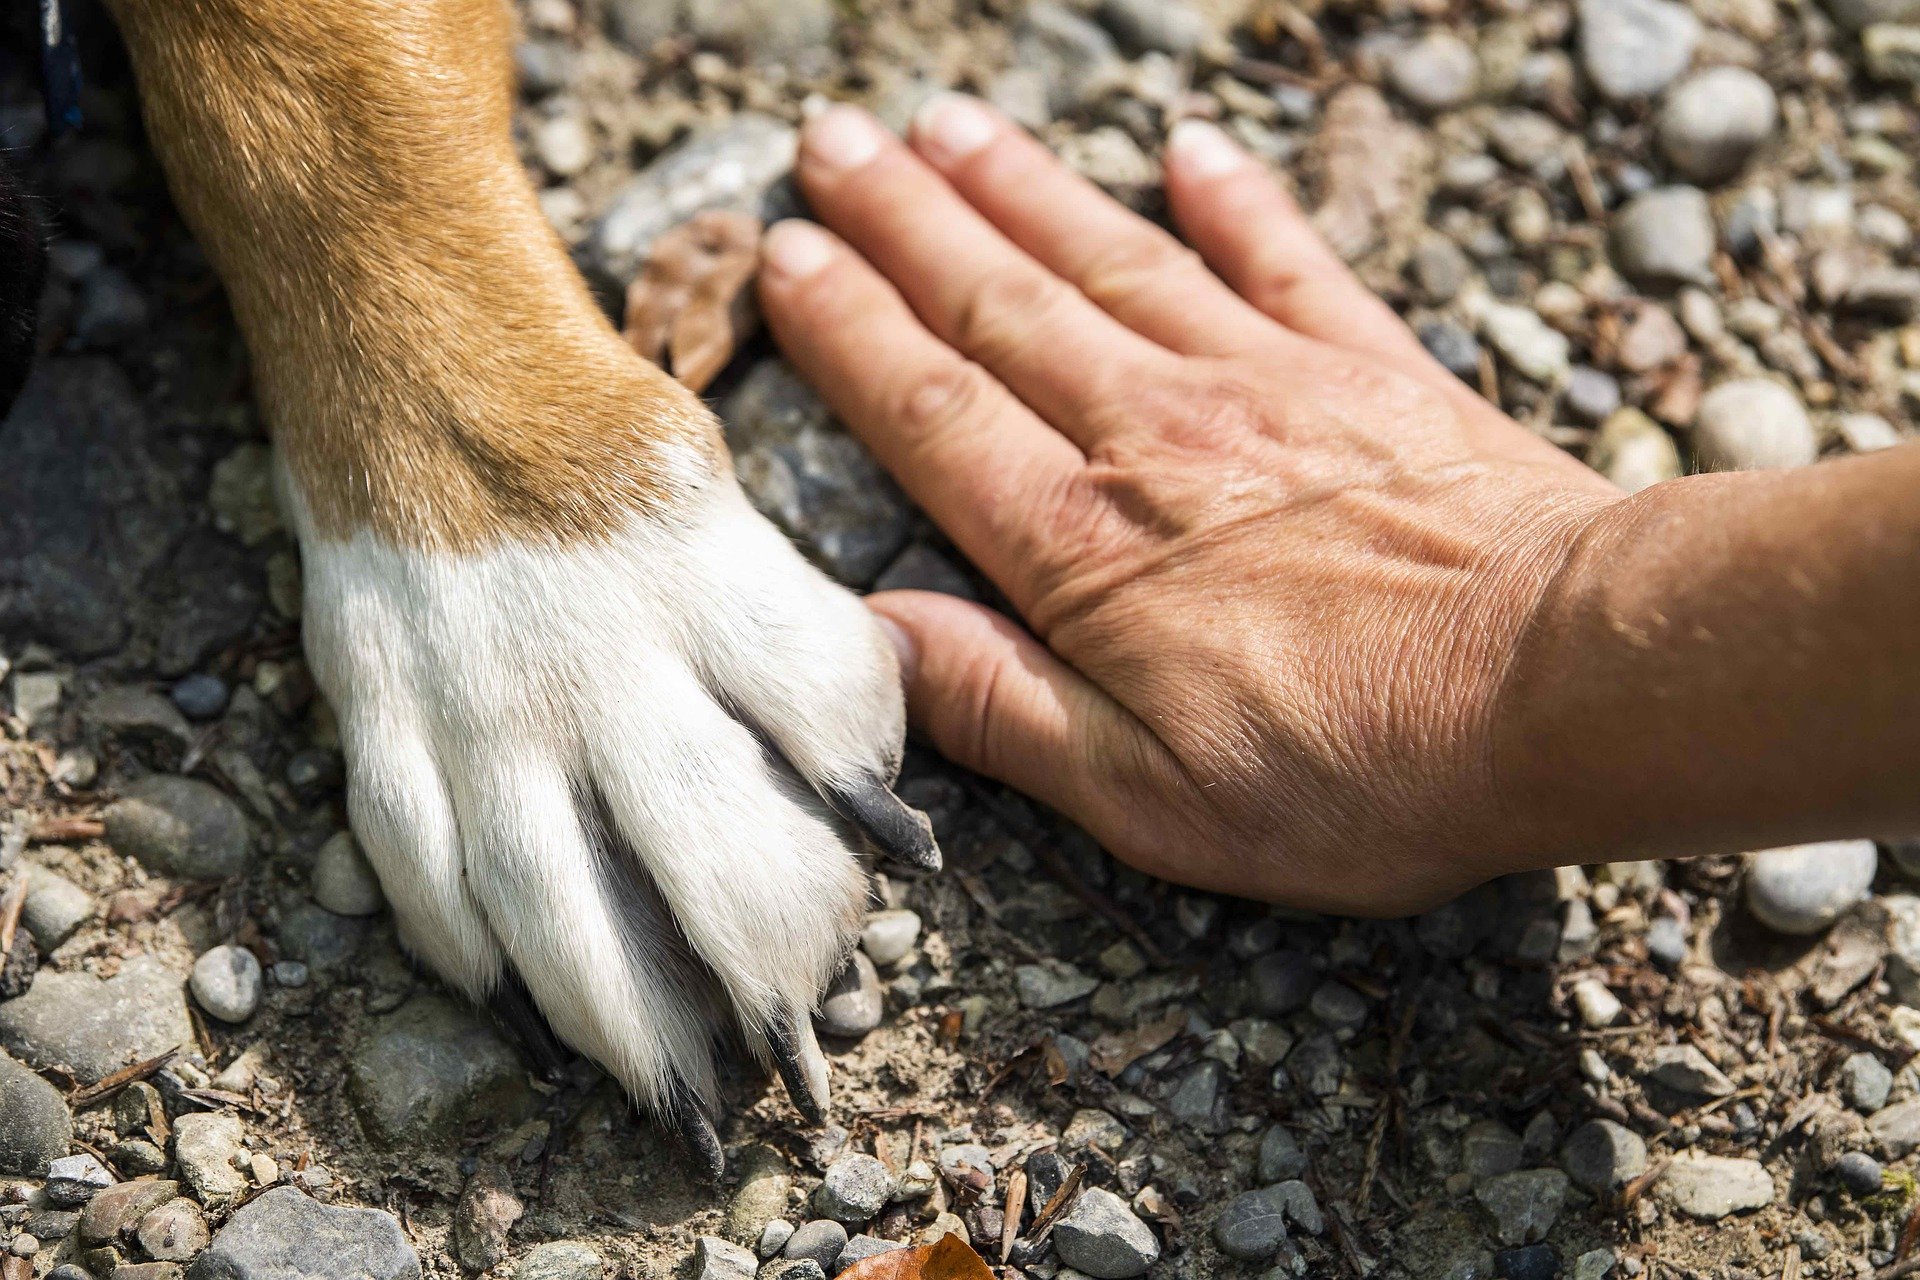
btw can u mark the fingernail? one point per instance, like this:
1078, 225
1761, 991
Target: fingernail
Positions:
1201, 150
843, 138
904, 648
952, 126
795, 249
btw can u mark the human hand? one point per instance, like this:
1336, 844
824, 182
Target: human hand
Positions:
1276, 561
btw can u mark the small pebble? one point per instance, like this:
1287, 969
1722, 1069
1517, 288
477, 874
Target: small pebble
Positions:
1598, 1007
888, 936
1713, 122
1454, 347
290, 973
226, 983
1667, 942
820, 1240
853, 1004
1859, 1173
855, 1188
200, 696
342, 881
1436, 73
74, 1180
1803, 889
774, 1237
1746, 424
1528, 1262
1633, 49
1865, 1082
1665, 236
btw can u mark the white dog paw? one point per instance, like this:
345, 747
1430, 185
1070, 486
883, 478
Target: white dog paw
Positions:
627, 773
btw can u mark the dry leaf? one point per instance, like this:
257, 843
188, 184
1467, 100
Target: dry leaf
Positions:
948, 1258
1113, 1054
690, 307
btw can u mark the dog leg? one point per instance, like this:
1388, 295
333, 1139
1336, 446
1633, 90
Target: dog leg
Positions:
607, 734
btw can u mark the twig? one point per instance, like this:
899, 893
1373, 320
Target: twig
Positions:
10, 908
120, 1079
53, 830
1058, 1204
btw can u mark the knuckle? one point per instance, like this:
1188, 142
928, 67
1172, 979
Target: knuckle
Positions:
1004, 310
934, 401
1132, 265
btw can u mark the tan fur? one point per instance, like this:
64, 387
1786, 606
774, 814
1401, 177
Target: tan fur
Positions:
432, 365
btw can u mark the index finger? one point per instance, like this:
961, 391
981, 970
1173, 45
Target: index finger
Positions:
978, 460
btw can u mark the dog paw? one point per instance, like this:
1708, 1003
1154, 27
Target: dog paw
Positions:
628, 773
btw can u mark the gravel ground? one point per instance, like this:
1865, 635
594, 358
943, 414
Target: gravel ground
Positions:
1666, 237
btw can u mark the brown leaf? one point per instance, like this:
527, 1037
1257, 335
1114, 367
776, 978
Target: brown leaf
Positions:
690, 307
1113, 1054
947, 1258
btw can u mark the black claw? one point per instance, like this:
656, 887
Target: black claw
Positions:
513, 1005
698, 1135
899, 832
783, 1041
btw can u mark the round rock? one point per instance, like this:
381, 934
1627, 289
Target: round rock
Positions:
180, 827
1859, 1173
1748, 424
819, 1241
1714, 121
1805, 888
561, 1260
343, 883
1635, 48
284, 1232
855, 1188
1102, 1238
853, 1005
1437, 72
1711, 1187
226, 983
1865, 1082
1665, 236
35, 1126
1603, 1156
888, 936
174, 1232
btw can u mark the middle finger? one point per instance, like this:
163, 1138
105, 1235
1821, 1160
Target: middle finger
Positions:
1065, 357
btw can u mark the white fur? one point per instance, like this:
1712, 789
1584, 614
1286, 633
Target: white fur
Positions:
484, 698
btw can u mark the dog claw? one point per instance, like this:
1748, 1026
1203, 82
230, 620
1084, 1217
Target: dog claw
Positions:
898, 831
802, 1067
698, 1136
513, 1005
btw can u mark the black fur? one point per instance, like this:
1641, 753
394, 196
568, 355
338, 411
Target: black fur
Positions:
23, 269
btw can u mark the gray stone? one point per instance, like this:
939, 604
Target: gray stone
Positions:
205, 1144
1051, 983
137, 717
888, 936
74, 1180
200, 696
855, 1188
1523, 1204
1198, 1093
226, 982
1634, 451
1073, 58
794, 1269
774, 1237
804, 472
1253, 1225
1525, 341
1711, 1187
1865, 1083
1489, 1149
717, 1259
180, 827
487, 1209
860, 1248
1713, 122
1665, 236
1102, 1238
762, 29
970, 1162
174, 1232
1436, 72
119, 1207
93, 1028
55, 907
1750, 423
1339, 1006
819, 1241
1590, 394
1157, 26
1859, 1173
1280, 1156
1685, 1069
1635, 48
342, 881
315, 936
764, 1181
1281, 982
284, 1234
1897, 1127
561, 1260
1667, 942
1602, 1156
1804, 889
429, 1068
735, 166
35, 1126
853, 1004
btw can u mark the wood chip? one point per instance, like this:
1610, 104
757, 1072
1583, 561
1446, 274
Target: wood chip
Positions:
1015, 1208
691, 307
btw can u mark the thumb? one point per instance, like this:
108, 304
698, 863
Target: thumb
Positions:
995, 700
